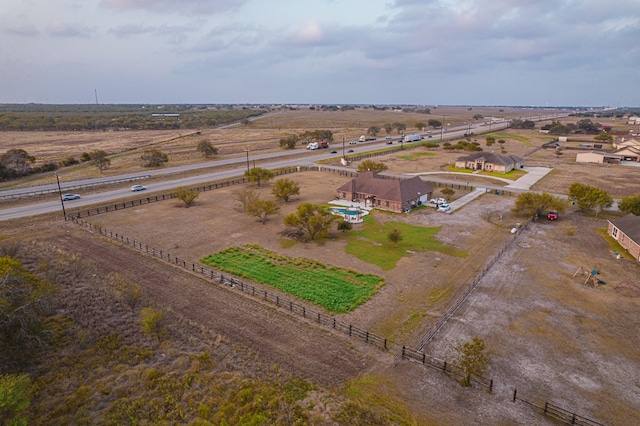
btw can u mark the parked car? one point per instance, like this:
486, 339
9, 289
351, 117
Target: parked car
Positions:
136, 188
69, 197
438, 201
552, 215
444, 207
388, 137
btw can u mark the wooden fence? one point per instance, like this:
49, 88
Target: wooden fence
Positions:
441, 365
162, 197
257, 292
415, 355
558, 413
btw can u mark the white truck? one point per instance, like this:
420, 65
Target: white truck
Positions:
412, 138
363, 138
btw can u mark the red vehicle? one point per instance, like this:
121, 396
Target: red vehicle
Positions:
552, 215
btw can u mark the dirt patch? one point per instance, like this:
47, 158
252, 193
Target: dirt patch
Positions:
274, 336
553, 337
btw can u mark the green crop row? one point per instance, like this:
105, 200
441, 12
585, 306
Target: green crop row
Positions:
335, 289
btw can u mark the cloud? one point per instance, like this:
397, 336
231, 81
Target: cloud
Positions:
67, 29
184, 7
127, 30
22, 30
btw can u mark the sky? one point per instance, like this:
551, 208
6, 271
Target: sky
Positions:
417, 52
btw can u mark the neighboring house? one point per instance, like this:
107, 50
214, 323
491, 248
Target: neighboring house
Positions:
490, 162
397, 195
633, 120
624, 143
626, 231
598, 157
628, 153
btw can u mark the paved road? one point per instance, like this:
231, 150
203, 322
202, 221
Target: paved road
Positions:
294, 158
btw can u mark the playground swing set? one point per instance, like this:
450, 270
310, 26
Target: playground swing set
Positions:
591, 276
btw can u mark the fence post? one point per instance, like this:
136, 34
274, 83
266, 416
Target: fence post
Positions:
350, 329
515, 392
445, 367
385, 340
304, 312
491, 385
545, 407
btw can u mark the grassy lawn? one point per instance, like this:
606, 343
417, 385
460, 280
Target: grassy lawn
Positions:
335, 289
513, 174
453, 168
522, 139
371, 244
418, 155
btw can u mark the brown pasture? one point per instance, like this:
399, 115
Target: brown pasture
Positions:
552, 337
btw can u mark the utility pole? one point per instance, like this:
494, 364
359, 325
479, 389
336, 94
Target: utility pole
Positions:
343, 147
247, 151
64, 212
442, 128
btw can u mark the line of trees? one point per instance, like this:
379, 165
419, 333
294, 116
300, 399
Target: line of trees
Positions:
584, 126
117, 117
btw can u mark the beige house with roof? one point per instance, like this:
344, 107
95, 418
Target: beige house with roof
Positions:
490, 162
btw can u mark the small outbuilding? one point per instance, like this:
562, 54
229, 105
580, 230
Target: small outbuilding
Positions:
598, 157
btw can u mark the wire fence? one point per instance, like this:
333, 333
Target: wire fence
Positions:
453, 308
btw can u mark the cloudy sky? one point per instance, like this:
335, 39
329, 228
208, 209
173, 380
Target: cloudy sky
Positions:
424, 52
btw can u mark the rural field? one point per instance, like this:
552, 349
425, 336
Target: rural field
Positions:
552, 336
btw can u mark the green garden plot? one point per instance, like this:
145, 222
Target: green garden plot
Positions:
335, 289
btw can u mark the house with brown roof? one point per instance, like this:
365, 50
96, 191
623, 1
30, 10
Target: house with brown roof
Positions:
490, 162
626, 231
397, 195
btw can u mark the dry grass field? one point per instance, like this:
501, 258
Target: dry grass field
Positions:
552, 337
